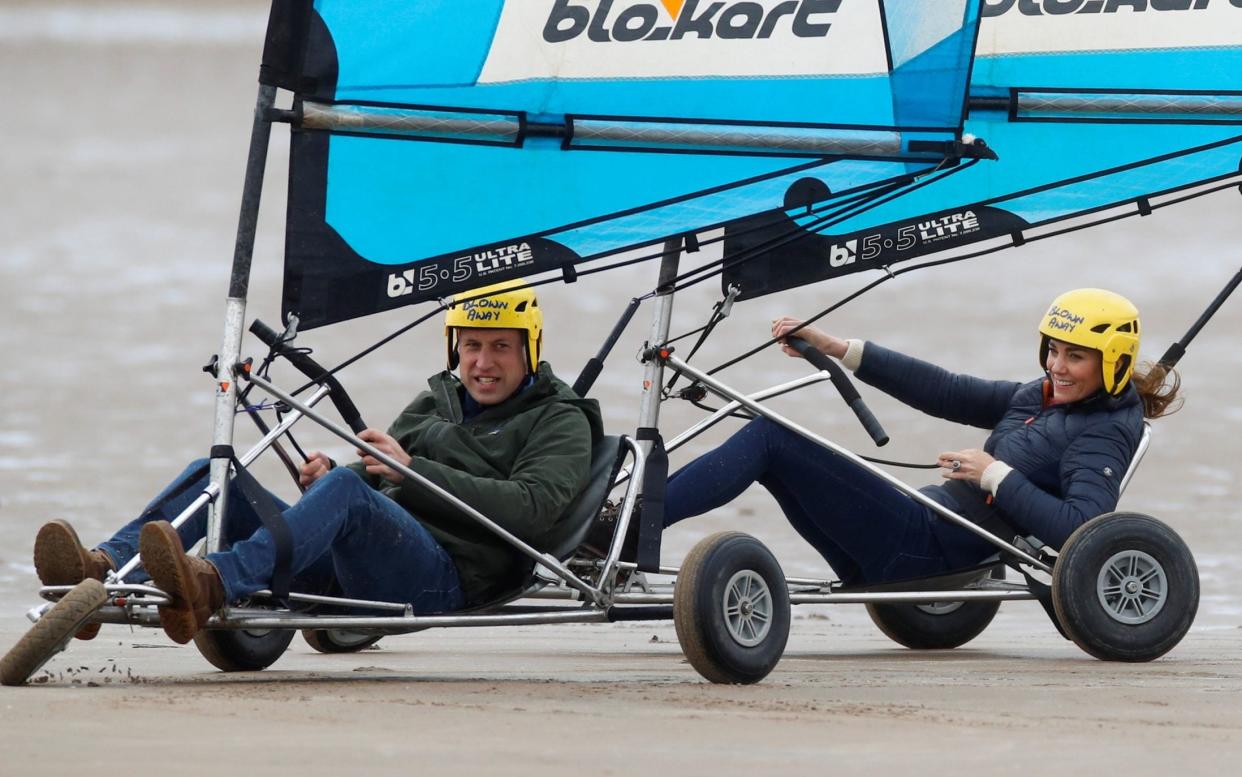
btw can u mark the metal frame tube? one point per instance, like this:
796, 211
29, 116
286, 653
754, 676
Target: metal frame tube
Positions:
702, 426
267, 620
235, 309
1144, 441
912, 597
724, 391
623, 520
661, 320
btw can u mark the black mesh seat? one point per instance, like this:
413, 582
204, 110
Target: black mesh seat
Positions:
567, 534
572, 527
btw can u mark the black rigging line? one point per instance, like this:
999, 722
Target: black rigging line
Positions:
816, 226
891, 274
865, 200
833, 204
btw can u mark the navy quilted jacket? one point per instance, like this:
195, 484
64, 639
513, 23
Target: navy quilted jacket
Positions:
1068, 460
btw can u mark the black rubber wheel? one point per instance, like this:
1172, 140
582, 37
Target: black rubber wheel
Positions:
338, 640
235, 650
52, 632
731, 609
1125, 587
939, 626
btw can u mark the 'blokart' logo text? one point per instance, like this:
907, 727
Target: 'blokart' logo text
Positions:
644, 21
1060, 7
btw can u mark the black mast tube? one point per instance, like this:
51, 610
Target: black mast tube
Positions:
1178, 350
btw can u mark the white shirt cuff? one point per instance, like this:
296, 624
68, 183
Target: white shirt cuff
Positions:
853, 354
993, 475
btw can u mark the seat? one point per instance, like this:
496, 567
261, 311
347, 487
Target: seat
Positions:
572, 527
567, 534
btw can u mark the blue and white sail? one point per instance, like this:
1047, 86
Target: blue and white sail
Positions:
441, 144
1096, 108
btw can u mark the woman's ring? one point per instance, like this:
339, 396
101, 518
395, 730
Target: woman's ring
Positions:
956, 464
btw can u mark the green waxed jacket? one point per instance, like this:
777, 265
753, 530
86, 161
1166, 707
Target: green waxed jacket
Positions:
520, 463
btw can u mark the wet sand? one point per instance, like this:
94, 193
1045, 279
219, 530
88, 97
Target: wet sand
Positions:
122, 164
619, 699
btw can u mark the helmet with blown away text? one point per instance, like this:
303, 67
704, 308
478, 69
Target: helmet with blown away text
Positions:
1101, 320
505, 305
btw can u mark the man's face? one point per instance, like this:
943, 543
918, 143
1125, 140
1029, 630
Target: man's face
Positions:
493, 363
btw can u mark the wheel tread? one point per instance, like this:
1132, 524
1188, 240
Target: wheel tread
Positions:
52, 632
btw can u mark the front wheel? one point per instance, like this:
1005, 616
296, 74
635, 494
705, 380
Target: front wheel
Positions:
731, 609
240, 650
49, 635
936, 626
1125, 587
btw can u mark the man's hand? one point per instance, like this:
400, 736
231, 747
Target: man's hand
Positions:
965, 465
389, 447
315, 467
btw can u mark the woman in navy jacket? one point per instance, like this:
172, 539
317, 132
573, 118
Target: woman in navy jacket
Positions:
1058, 449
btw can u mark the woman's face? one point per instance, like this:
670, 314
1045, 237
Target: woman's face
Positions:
1075, 371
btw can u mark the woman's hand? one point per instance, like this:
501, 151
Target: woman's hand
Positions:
389, 447
965, 465
821, 340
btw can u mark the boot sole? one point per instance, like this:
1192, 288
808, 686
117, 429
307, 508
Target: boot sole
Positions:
58, 555
164, 559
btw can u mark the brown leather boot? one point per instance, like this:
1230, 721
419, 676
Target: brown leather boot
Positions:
60, 559
192, 584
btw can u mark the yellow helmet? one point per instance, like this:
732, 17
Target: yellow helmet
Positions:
1096, 319
505, 306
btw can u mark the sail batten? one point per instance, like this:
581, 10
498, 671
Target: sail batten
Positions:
1122, 106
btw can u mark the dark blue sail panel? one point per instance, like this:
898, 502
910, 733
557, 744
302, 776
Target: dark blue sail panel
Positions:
1090, 111
443, 144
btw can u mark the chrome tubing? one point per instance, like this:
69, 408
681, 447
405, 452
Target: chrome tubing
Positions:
912, 597
715, 418
243, 620
235, 308
623, 520
1139, 452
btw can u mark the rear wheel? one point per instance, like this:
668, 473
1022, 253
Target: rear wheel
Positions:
338, 640
240, 650
1125, 587
936, 626
731, 609
52, 632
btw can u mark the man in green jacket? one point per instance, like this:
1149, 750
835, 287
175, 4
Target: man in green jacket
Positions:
504, 435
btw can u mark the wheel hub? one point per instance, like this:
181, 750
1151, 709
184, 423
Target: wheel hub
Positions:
1132, 587
748, 609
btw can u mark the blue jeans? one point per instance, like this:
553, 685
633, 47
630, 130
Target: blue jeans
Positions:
348, 539
867, 530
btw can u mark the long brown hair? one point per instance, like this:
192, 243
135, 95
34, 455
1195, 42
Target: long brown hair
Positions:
1158, 387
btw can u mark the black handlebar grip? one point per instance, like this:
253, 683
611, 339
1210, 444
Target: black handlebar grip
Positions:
264, 332
313, 370
844, 386
869, 422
